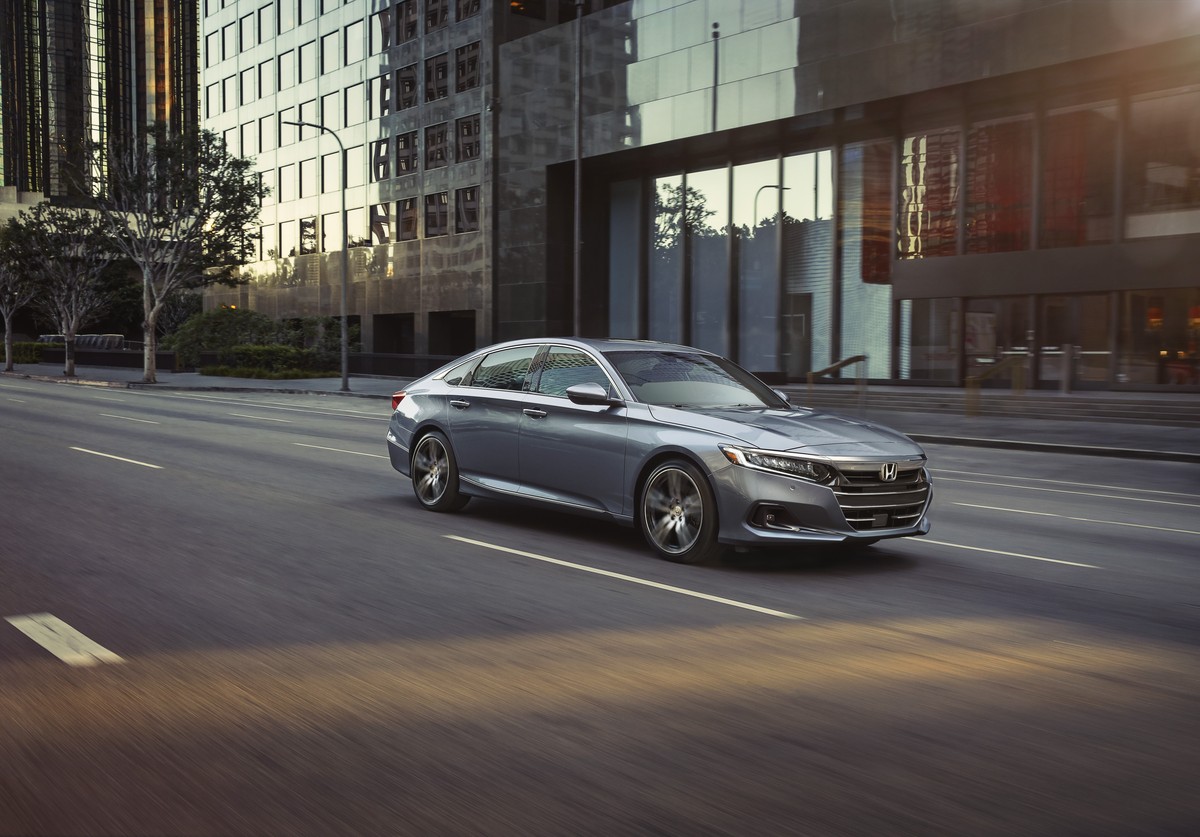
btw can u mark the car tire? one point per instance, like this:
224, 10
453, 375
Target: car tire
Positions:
677, 514
435, 474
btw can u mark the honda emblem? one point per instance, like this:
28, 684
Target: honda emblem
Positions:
888, 472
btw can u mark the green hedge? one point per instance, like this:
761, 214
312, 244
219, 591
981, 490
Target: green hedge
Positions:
255, 372
276, 359
27, 352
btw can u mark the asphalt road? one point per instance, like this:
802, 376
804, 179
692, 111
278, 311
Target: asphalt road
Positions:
249, 627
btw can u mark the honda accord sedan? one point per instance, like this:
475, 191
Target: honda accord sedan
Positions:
684, 444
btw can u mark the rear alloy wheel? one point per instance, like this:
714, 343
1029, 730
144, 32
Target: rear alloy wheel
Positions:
678, 514
435, 474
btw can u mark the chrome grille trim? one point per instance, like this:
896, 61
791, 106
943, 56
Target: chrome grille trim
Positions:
867, 502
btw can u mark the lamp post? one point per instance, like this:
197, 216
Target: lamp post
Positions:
754, 219
345, 248
577, 266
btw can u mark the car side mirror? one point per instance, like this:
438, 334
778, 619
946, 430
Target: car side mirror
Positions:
591, 393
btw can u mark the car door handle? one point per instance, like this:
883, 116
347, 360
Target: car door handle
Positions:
462, 405
532, 413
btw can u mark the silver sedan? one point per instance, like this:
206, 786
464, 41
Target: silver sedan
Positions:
684, 444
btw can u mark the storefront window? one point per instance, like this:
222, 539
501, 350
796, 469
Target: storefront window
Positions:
1163, 165
1159, 337
929, 339
930, 180
808, 240
866, 256
994, 331
999, 185
665, 261
757, 210
707, 202
1079, 156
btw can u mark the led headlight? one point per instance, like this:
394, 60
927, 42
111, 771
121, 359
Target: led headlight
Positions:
765, 460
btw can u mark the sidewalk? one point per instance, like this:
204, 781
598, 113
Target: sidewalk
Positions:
1123, 440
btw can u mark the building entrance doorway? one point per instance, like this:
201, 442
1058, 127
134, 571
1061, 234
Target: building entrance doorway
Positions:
1074, 341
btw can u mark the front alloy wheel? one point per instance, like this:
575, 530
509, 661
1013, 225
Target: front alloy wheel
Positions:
435, 474
678, 514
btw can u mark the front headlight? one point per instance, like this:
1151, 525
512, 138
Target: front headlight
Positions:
793, 466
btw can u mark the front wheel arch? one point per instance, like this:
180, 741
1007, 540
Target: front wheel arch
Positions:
676, 510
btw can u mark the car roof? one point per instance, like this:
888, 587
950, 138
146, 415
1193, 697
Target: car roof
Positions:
603, 344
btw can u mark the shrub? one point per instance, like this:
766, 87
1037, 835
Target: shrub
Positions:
263, 374
27, 353
276, 358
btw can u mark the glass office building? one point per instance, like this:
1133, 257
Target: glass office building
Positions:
75, 72
941, 187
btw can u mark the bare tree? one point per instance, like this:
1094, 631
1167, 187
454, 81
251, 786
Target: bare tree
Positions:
18, 284
184, 210
72, 251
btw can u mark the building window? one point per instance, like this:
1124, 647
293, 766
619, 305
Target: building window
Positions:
381, 223
249, 133
381, 95
356, 164
212, 49
285, 14
356, 227
287, 132
330, 59
328, 6
249, 32
381, 160
1079, 152
407, 17
331, 112
287, 238
229, 93
287, 70
268, 242
528, 8
437, 214
287, 183
1162, 165
229, 42
437, 77
355, 106
267, 179
266, 24
247, 92
267, 133
230, 136
930, 179
353, 43
999, 186
331, 172
467, 8
406, 218
308, 113
266, 77
406, 153
436, 146
212, 100
308, 177
466, 209
437, 13
308, 10
406, 87
308, 235
308, 61
466, 67
382, 31
467, 138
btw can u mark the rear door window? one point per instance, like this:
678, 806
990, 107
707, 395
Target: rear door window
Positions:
507, 369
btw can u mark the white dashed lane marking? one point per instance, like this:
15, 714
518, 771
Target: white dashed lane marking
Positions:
61, 640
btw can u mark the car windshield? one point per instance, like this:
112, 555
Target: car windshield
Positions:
691, 379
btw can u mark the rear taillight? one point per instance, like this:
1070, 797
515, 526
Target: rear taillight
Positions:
397, 397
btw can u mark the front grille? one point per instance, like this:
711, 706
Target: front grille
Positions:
868, 502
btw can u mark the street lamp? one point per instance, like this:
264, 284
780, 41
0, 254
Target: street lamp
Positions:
754, 219
577, 266
345, 248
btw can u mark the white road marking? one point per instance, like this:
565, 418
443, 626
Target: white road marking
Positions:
1080, 519
324, 411
61, 640
632, 579
118, 458
261, 418
17, 400
1065, 482
129, 418
1009, 554
340, 450
1076, 493
108, 398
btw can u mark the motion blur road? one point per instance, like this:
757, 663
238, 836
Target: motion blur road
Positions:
225, 614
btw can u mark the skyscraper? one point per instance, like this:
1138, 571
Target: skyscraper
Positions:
74, 72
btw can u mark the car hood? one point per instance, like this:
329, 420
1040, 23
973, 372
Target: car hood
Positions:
795, 429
